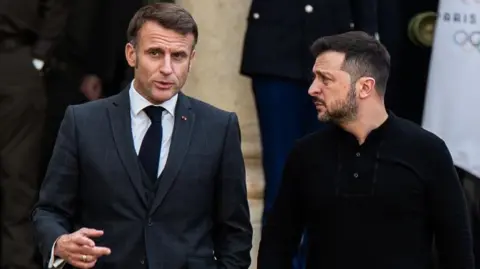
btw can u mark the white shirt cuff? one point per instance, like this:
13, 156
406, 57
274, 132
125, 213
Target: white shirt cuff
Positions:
54, 262
38, 64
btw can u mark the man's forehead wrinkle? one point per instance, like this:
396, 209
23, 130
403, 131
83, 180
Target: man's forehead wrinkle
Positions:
166, 45
154, 40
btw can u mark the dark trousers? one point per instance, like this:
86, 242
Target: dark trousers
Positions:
285, 113
22, 109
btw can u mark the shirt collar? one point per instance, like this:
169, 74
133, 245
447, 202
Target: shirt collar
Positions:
138, 102
376, 134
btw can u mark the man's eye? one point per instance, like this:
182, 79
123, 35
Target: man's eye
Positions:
178, 56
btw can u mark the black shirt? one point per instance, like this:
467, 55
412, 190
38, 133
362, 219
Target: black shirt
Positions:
375, 205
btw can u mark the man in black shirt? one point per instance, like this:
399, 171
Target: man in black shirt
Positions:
372, 190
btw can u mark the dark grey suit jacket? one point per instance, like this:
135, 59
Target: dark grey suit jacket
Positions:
197, 217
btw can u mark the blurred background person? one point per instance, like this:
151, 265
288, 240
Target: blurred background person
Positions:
29, 29
89, 63
277, 58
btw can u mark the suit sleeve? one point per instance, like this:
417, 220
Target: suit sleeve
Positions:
233, 230
365, 15
285, 222
55, 209
450, 215
55, 13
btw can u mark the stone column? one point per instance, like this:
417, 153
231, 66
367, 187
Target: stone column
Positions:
215, 79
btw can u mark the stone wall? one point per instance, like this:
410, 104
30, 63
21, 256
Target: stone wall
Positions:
215, 79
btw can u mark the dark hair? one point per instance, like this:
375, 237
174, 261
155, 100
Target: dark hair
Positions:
364, 55
168, 15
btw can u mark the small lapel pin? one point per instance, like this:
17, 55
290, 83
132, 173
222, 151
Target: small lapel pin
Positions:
184, 118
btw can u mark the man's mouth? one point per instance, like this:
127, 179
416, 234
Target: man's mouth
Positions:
163, 84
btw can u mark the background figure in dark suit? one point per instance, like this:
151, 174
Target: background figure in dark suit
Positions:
92, 45
276, 56
29, 30
148, 178
108, 50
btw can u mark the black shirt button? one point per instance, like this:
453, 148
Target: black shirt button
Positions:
355, 175
357, 154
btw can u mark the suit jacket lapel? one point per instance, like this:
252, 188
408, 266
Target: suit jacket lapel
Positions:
120, 121
184, 121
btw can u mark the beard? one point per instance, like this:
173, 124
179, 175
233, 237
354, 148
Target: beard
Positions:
341, 111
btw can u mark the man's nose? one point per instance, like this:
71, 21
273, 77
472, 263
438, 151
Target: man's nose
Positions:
166, 67
313, 90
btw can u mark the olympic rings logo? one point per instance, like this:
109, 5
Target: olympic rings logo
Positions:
468, 41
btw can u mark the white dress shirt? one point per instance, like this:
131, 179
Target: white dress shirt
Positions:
140, 123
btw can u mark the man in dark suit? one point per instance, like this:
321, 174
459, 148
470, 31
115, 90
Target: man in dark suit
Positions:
148, 178
276, 57
29, 29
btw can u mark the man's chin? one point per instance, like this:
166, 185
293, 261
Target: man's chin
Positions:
160, 95
323, 117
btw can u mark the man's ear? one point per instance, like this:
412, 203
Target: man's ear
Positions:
131, 54
365, 86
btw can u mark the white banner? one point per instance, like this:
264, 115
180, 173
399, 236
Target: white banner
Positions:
452, 104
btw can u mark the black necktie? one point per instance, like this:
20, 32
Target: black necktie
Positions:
152, 142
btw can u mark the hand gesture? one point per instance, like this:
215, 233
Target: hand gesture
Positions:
79, 250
